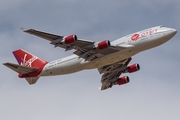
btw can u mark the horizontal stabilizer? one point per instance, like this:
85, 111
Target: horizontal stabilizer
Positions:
19, 68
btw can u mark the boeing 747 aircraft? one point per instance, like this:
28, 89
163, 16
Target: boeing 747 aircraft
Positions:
110, 58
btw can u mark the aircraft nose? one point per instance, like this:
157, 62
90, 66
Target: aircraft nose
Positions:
170, 32
175, 31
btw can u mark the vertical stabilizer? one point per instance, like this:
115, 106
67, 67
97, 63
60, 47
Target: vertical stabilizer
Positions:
27, 59
30, 66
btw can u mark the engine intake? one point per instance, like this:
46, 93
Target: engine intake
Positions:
104, 44
70, 39
133, 68
123, 80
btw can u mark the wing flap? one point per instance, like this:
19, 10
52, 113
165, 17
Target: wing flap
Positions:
19, 68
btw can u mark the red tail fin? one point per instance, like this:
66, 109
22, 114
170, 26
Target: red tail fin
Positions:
27, 59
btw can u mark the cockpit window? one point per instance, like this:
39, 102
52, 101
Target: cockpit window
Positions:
161, 26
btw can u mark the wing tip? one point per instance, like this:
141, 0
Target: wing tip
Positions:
24, 29
6, 63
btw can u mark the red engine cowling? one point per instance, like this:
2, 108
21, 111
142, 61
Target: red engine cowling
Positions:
123, 80
133, 68
70, 39
104, 44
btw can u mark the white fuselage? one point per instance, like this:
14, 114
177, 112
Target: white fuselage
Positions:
133, 43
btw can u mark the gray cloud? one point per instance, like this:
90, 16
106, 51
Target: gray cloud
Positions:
152, 92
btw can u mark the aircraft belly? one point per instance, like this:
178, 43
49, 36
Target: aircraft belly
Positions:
65, 67
110, 59
69, 67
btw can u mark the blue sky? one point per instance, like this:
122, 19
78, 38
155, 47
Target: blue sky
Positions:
153, 92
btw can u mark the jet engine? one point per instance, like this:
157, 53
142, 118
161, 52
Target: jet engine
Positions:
123, 80
70, 39
133, 68
104, 44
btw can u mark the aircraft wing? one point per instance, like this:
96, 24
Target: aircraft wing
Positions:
86, 49
112, 72
19, 68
